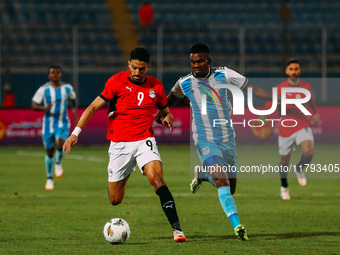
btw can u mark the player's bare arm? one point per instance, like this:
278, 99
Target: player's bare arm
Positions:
38, 107
316, 118
84, 119
159, 117
74, 110
260, 92
167, 118
171, 100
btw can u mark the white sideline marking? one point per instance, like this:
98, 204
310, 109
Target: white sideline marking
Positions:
76, 157
188, 194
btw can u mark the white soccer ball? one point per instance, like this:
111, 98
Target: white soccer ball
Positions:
116, 231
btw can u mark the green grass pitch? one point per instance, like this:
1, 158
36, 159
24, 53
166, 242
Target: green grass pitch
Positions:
70, 219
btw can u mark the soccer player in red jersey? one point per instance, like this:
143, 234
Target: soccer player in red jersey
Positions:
133, 96
301, 134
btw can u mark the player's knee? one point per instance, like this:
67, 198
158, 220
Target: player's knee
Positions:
157, 183
308, 153
50, 154
220, 182
284, 160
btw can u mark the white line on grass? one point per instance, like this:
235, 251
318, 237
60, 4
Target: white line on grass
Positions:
188, 194
75, 157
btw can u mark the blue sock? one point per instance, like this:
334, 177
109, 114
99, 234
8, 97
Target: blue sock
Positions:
207, 178
49, 166
59, 157
228, 204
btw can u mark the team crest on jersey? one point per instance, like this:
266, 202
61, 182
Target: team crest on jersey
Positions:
152, 93
205, 150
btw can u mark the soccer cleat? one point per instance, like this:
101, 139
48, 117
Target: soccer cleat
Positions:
240, 232
285, 193
58, 171
302, 180
195, 185
49, 185
179, 236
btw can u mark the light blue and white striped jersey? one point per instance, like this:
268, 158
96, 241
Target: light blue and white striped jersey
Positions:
210, 101
56, 117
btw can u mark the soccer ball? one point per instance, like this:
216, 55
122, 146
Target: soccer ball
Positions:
116, 231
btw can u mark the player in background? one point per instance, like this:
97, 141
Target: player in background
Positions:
215, 145
301, 134
133, 96
53, 98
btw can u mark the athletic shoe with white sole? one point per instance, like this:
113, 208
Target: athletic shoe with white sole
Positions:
195, 185
302, 180
196, 182
240, 232
179, 236
49, 185
285, 193
58, 170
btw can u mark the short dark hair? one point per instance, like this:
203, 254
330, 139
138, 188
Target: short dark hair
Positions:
55, 66
292, 60
140, 54
199, 47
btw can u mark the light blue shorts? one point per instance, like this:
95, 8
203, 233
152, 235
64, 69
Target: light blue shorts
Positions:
49, 139
209, 153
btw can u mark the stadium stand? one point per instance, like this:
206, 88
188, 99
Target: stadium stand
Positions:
41, 32
218, 24
35, 33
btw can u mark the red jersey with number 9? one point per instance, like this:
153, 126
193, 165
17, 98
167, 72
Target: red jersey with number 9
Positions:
132, 106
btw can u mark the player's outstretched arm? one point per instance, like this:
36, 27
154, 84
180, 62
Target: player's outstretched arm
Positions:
74, 110
38, 107
171, 100
84, 119
316, 118
71, 141
260, 92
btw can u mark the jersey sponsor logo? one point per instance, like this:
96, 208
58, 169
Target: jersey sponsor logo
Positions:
152, 93
129, 88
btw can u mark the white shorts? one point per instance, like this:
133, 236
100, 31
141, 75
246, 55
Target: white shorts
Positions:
124, 156
286, 144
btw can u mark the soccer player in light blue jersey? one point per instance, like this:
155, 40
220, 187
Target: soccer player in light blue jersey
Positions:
209, 99
54, 98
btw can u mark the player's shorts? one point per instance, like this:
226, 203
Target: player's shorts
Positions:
223, 153
286, 144
125, 156
49, 139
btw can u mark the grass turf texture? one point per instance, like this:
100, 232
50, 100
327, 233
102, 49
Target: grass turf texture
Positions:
70, 219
